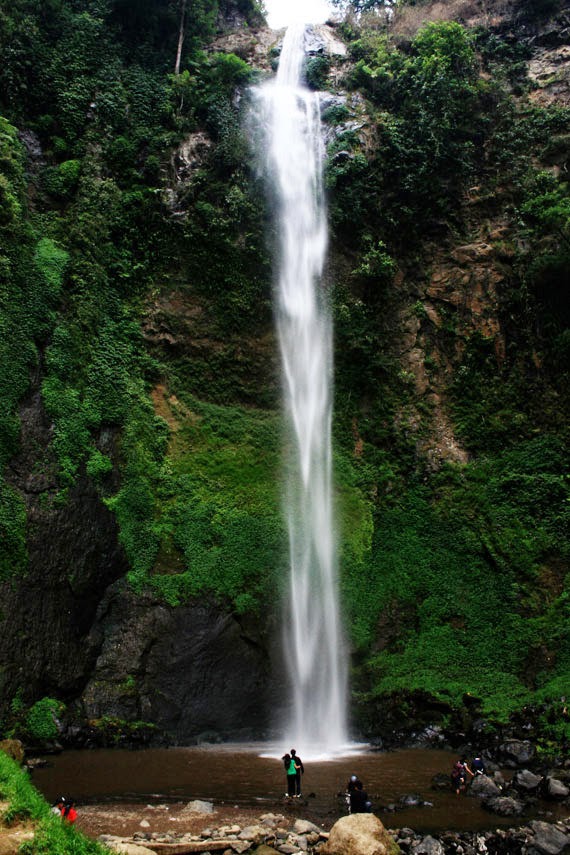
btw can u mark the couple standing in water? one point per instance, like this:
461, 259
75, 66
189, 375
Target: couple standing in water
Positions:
294, 769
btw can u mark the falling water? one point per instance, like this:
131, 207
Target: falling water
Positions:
313, 638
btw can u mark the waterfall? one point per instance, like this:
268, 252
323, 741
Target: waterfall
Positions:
313, 638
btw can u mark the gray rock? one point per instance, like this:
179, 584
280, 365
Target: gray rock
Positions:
517, 752
483, 787
428, 846
556, 789
547, 839
411, 800
198, 806
211, 648
303, 826
504, 806
527, 781
255, 834
321, 39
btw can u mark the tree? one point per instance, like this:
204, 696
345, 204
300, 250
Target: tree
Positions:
180, 37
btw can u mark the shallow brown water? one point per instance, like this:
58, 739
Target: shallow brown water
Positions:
238, 776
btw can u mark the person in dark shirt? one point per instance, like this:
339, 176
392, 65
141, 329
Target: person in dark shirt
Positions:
359, 799
478, 766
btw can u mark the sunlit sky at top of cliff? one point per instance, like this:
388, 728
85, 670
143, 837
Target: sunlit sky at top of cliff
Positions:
281, 13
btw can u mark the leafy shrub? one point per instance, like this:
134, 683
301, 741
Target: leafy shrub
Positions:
41, 719
61, 181
316, 72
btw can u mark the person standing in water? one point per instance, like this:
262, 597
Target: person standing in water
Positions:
459, 775
300, 770
291, 772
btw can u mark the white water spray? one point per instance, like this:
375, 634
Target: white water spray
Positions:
313, 637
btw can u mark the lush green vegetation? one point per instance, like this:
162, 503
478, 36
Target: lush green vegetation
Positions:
206, 516
470, 574
457, 577
25, 803
83, 253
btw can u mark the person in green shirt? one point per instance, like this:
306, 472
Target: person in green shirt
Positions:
300, 771
291, 772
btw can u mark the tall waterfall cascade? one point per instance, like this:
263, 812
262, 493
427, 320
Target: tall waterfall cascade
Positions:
312, 633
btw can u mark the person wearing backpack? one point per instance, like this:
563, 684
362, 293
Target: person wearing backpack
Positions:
459, 775
300, 770
291, 772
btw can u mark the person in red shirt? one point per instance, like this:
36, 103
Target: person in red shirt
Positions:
69, 813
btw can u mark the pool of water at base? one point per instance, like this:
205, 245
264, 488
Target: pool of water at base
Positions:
244, 776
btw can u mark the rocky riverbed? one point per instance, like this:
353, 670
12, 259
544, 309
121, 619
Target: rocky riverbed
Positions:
201, 827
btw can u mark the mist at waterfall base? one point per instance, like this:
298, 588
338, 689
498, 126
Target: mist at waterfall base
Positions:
315, 698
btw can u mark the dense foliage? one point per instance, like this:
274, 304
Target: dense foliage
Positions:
457, 577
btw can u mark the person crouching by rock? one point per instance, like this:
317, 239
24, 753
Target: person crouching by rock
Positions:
359, 802
69, 814
350, 788
58, 806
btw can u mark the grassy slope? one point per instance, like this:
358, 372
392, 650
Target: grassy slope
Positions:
51, 835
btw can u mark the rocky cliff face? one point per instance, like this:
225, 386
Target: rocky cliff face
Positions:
74, 629
74, 555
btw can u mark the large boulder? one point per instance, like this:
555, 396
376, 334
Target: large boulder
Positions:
517, 752
504, 806
428, 846
174, 652
547, 839
526, 781
359, 834
484, 787
555, 789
